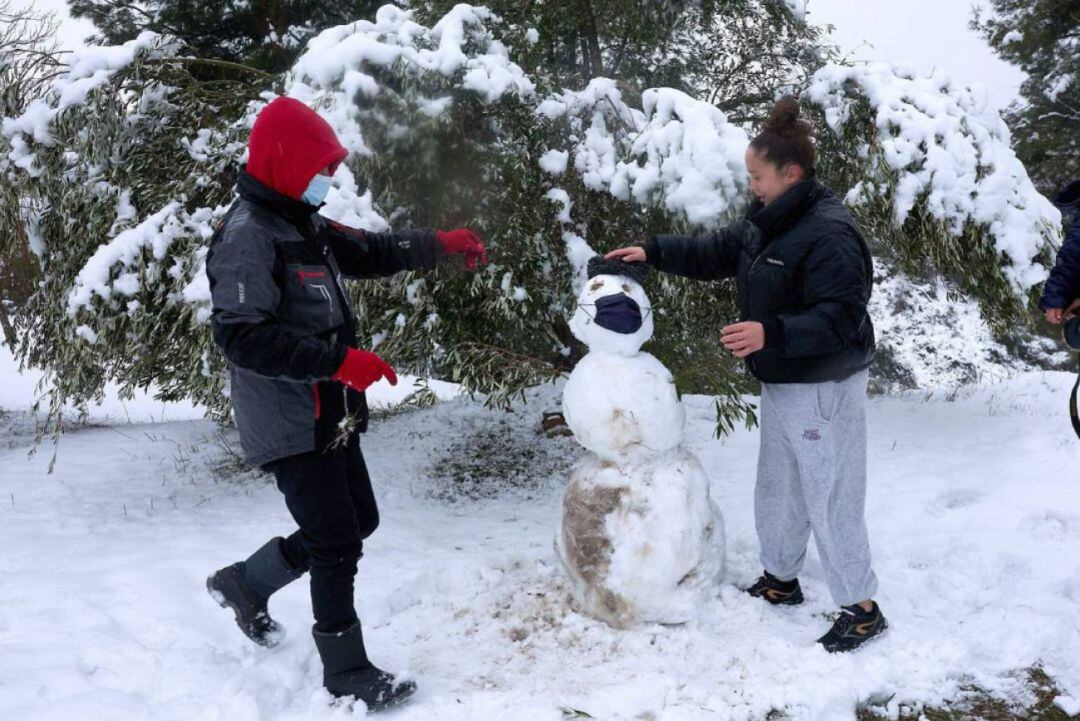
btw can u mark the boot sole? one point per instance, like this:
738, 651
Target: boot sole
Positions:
394, 702
219, 599
376, 707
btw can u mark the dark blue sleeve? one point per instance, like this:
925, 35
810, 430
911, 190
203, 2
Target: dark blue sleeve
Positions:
703, 257
1061, 287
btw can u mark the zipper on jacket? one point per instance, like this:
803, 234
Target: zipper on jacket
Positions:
749, 277
335, 274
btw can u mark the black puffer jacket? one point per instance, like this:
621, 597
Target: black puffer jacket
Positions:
283, 319
804, 271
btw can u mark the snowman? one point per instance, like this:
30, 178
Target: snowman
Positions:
641, 540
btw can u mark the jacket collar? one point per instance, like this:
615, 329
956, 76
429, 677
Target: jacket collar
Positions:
296, 212
779, 215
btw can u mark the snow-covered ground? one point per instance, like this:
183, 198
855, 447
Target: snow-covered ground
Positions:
974, 511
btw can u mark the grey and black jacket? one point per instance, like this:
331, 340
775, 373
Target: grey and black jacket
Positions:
283, 319
804, 271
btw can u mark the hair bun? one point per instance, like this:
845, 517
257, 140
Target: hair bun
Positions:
786, 120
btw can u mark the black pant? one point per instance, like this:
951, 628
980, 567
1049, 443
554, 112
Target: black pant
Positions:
329, 496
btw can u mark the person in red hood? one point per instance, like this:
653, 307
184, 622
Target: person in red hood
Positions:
282, 317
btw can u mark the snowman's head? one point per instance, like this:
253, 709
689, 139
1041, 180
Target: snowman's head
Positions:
613, 313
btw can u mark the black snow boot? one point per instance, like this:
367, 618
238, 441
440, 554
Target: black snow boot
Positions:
245, 587
347, 671
853, 628
777, 592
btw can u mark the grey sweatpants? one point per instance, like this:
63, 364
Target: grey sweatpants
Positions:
812, 476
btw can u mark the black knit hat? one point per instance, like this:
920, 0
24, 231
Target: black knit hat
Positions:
598, 265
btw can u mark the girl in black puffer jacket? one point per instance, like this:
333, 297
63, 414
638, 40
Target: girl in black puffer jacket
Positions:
804, 278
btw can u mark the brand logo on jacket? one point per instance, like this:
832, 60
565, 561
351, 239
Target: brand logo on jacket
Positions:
812, 434
240, 292
775, 261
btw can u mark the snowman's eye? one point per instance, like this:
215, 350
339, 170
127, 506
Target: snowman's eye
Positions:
625, 288
597, 285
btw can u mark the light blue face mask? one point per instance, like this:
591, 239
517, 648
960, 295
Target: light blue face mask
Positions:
316, 190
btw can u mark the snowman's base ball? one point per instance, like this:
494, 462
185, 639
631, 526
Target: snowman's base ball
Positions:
642, 542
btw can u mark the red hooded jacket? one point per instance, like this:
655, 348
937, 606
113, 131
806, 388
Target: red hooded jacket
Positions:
289, 144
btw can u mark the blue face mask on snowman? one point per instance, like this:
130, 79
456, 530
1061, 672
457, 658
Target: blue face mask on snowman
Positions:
316, 190
618, 313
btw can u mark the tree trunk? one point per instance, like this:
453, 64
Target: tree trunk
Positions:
9, 330
590, 41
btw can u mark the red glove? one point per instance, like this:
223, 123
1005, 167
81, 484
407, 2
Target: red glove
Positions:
361, 368
463, 240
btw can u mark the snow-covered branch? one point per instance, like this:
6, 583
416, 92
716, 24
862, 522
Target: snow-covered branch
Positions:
337, 67
675, 152
941, 145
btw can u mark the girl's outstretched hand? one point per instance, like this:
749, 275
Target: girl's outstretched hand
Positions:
633, 254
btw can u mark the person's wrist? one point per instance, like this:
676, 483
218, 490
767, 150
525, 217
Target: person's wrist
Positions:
651, 248
340, 353
774, 332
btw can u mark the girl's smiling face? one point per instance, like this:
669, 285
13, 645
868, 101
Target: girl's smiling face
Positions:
767, 181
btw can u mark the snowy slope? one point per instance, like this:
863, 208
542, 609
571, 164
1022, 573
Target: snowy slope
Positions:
929, 335
974, 514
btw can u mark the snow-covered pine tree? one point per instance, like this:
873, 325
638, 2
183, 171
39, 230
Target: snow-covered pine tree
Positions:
447, 127
929, 171
733, 54
1042, 38
757, 44
265, 35
117, 148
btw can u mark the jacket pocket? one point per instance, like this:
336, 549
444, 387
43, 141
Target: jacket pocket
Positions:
256, 410
772, 287
310, 299
296, 413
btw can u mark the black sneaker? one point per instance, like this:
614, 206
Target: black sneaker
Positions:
777, 592
854, 628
